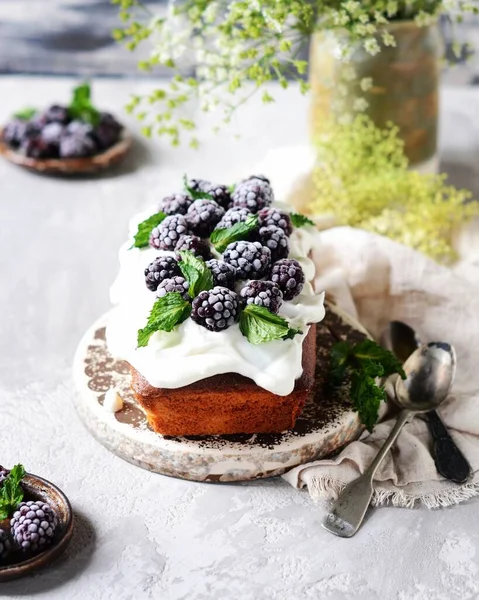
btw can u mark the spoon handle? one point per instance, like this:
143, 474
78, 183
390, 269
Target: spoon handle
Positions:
349, 510
450, 461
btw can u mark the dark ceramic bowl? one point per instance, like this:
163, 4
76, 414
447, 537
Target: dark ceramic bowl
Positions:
37, 488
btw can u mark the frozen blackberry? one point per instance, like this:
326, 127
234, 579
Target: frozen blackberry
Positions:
233, 216
77, 146
168, 232
56, 114
219, 193
223, 273
33, 526
36, 147
253, 194
163, 267
3, 474
108, 131
276, 240
17, 130
176, 204
288, 275
278, 218
195, 245
260, 177
202, 216
250, 259
215, 309
262, 293
52, 133
5, 545
79, 128
173, 284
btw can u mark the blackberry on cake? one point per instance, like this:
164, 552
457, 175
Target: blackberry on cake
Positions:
232, 216
174, 284
215, 309
219, 193
253, 194
260, 177
3, 474
195, 245
223, 273
163, 267
203, 216
262, 293
168, 232
33, 526
276, 240
176, 204
289, 276
5, 545
250, 259
273, 216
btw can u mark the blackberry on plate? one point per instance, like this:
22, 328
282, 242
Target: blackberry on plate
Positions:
223, 273
176, 204
36, 147
108, 131
278, 218
250, 259
168, 232
33, 526
288, 275
262, 293
56, 114
276, 240
163, 267
195, 245
52, 133
173, 284
215, 309
253, 194
232, 216
202, 216
5, 545
218, 192
76, 145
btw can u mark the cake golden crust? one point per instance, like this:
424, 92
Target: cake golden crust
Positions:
225, 404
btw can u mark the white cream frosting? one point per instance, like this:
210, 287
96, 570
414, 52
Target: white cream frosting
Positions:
191, 352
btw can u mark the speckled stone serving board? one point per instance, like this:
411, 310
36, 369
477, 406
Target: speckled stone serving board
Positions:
326, 424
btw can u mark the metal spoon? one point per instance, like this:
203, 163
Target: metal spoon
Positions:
450, 462
430, 372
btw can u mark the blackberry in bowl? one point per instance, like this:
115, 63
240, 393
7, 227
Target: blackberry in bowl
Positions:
215, 309
250, 259
33, 526
262, 293
289, 276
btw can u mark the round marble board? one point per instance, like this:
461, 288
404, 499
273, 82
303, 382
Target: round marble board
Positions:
326, 424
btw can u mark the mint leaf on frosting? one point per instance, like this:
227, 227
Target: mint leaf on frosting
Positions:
260, 325
167, 312
142, 236
11, 492
195, 194
195, 272
220, 238
25, 114
300, 220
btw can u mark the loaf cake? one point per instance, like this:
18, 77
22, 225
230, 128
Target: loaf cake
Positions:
215, 311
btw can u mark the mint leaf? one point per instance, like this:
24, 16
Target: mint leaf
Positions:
220, 238
142, 236
81, 107
231, 188
167, 312
260, 325
25, 114
195, 194
363, 363
195, 272
11, 492
300, 220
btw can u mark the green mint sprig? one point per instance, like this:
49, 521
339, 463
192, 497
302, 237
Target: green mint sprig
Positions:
195, 194
220, 238
259, 325
25, 114
81, 106
362, 363
11, 492
167, 312
195, 272
299, 220
142, 236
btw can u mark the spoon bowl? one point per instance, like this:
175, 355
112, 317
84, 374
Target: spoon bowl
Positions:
430, 372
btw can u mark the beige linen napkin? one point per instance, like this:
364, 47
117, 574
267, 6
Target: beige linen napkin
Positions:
377, 280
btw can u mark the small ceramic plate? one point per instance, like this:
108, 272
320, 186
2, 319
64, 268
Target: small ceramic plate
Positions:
70, 166
37, 488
